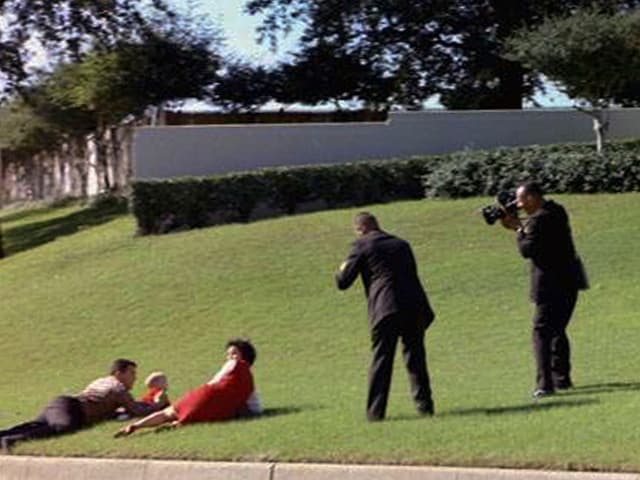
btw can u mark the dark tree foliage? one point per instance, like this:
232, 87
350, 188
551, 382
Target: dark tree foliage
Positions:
594, 59
65, 28
322, 73
244, 87
450, 47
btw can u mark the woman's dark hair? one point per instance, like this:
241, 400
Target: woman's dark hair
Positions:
246, 348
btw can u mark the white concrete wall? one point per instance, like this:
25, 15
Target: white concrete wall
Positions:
161, 152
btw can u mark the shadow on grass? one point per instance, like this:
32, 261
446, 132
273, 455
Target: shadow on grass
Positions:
38, 209
32, 235
532, 407
611, 387
268, 412
278, 411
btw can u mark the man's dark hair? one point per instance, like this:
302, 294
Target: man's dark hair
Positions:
247, 350
366, 219
532, 188
121, 365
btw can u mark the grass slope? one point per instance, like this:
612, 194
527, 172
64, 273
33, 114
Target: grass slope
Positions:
69, 307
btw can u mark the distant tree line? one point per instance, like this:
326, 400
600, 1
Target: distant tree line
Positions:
111, 61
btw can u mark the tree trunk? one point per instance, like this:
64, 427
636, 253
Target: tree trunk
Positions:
1, 201
511, 89
600, 126
115, 150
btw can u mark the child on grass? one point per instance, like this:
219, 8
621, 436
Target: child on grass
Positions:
157, 386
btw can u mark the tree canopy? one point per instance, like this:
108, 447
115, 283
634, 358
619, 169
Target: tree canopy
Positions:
66, 29
453, 48
593, 57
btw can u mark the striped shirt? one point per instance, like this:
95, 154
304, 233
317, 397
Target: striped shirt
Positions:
102, 397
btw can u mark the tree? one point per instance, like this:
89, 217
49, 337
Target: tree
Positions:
66, 28
321, 73
112, 84
243, 86
449, 47
594, 58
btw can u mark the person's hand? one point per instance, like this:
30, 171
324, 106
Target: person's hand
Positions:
510, 222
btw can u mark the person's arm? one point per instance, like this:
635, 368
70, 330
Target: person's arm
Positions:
226, 368
530, 238
137, 409
349, 269
511, 222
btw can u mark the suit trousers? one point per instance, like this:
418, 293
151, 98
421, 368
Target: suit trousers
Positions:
384, 337
62, 415
550, 342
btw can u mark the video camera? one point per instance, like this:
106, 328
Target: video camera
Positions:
505, 205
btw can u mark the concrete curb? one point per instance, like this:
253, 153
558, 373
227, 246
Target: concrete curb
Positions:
48, 468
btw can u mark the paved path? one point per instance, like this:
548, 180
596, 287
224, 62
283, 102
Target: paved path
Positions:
47, 468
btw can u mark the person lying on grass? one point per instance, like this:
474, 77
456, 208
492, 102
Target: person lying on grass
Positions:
99, 401
230, 393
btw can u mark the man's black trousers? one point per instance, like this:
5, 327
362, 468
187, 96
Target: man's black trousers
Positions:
384, 336
63, 414
550, 342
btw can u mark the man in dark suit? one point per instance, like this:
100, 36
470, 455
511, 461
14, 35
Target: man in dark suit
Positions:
556, 277
398, 308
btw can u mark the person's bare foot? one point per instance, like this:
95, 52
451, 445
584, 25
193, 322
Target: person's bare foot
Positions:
125, 431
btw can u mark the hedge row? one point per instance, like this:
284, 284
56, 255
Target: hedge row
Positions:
184, 203
562, 171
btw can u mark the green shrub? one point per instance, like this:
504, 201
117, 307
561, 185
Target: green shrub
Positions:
183, 203
558, 168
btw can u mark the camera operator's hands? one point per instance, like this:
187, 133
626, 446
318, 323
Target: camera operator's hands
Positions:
510, 222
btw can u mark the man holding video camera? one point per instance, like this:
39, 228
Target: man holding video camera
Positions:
398, 308
556, 276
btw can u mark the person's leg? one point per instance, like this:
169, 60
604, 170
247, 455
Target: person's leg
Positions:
24, 431
542, 335
415, 359
61, 415
22, 428
64, 415
153, 420
384, 338
560, 346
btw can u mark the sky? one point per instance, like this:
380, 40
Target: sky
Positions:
239, 28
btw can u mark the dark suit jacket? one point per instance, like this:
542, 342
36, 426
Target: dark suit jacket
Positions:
389, 274
546, 240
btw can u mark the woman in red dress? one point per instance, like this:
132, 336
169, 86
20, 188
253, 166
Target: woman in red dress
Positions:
223, 397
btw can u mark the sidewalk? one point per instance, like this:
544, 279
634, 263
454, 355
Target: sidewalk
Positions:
47, 468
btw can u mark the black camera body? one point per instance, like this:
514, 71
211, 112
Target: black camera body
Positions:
506, 204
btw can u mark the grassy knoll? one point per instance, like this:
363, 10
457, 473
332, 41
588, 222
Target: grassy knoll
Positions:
70, 306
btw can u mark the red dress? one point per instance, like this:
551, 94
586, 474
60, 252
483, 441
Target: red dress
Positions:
217, 401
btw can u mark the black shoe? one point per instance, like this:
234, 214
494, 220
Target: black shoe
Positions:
539, 393
564, 385
6, 444
426, 411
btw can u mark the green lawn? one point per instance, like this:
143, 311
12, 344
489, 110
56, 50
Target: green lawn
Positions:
69, 306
